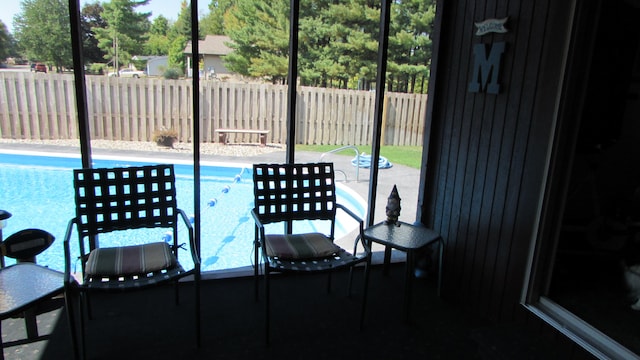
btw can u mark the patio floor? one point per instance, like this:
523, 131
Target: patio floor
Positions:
307, 323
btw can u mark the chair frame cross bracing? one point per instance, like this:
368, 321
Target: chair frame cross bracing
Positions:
285, 193
122, 199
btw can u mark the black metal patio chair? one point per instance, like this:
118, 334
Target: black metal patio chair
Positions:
286, 193
128, 198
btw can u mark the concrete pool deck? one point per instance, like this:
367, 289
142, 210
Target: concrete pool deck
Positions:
405, 178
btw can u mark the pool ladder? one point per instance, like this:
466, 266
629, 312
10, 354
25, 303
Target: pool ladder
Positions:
342, 171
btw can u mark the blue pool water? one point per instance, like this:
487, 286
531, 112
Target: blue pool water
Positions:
38, 192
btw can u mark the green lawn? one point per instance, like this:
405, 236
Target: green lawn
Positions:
404, 155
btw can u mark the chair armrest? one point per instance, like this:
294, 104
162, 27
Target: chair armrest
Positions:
349, 212
256, 219
360, 236
192, 245
259, 224
67, 252
260, 235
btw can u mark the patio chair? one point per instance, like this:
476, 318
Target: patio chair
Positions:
288, 193
132, 198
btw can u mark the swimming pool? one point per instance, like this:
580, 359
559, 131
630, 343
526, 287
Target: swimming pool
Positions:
37, 190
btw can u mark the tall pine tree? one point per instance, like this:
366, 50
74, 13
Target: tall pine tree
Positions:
125, 33
260, 34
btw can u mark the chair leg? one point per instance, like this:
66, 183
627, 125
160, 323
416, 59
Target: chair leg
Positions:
256, 266
367, 268
177, 291
84, 303
355, 251
266, 302
87, 303
68, 300
441, 246
196, 284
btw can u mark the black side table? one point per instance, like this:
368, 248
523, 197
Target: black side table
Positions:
24, 285
410, 239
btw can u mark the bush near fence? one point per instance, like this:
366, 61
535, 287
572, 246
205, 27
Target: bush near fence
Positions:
42, 106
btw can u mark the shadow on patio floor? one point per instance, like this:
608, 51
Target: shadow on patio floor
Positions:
306, 323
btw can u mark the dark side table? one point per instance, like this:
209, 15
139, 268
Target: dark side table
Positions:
410, 239
24, 285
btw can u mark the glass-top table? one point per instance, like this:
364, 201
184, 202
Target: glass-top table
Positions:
410, 239
22, 286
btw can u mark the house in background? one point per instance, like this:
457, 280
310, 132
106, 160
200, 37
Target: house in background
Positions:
156, 65
212, 51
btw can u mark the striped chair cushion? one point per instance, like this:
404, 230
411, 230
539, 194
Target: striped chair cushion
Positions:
130, 260
300, 246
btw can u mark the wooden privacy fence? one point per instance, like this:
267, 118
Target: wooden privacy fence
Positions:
42, 106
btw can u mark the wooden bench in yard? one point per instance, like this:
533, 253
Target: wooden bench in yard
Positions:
223, 135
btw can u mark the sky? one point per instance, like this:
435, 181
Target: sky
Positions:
168, 8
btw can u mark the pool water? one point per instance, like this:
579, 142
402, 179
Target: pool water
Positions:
38, 192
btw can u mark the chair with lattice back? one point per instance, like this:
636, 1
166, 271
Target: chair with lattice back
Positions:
123, 199
289, 193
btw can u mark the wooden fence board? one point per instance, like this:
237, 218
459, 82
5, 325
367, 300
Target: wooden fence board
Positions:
53, 110
5, 120
34, 129
143, 133
24, 114
62, 117
11, 116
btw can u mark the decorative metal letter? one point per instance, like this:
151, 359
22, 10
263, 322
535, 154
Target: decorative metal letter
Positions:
484, 65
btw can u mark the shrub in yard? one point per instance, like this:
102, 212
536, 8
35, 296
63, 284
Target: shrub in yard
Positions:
172, 74
165, 137
97, 68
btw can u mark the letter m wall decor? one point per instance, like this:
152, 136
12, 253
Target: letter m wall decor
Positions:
486, 68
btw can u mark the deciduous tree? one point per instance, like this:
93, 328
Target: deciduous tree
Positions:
179, 35
42, 30
176, 53
158, 42
213, 22
182, 26
5, 42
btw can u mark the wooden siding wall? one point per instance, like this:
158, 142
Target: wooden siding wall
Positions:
488, 153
